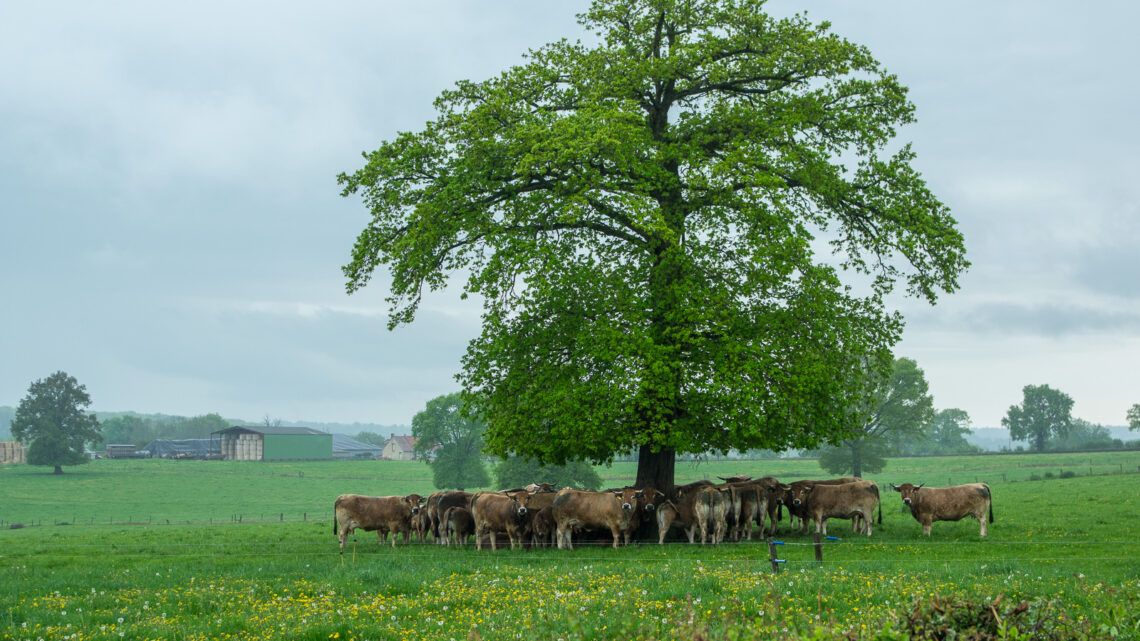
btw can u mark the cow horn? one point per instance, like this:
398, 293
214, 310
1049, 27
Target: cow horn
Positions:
895, 487
920, 486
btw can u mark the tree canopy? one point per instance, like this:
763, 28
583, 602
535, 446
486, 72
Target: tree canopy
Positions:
1134, 417
52, 420
451, 442
682, 233
1044, 413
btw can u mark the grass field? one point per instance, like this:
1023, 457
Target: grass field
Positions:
219, 550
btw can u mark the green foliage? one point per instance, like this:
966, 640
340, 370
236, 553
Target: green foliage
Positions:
452, 442
902, 409
946, 434
52, 420
517, 471
638, 216
953, 617
869, 455
1134, 417
373, 438
127, 428
1083, 435
1044, 413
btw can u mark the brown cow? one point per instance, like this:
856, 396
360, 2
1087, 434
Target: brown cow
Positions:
540, 528
383, 514
678, 510
580, 509
710, 506
456, 525
799, 510
543, 527
929, 504
856, 500
443, 501
494, 513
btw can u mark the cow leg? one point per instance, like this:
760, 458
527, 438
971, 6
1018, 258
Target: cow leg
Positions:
926, 526
983, 523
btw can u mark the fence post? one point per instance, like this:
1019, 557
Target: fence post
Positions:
772, 556
818, 548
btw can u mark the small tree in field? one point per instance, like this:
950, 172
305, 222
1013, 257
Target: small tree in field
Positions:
903, 408
452, 442
1044, 413
51, 420
1134, 417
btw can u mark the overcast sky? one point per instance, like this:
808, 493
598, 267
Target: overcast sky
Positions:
173, 231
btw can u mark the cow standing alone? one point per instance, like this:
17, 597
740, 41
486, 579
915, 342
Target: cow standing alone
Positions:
929, 504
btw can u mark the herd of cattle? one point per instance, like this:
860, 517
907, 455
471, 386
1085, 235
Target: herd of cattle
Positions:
539, 515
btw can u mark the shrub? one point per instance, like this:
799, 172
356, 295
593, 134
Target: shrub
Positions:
1068, 474
943, 618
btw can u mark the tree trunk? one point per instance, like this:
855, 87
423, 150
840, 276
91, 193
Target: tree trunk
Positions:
856, 460
655, 469
58, 469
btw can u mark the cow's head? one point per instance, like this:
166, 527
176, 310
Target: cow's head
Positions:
521, 501
416, 502
908, 491
628, 498
650, 498
800, 496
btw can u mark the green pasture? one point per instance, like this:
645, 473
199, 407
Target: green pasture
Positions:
249, 553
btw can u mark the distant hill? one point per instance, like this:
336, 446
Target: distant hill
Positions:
993, 439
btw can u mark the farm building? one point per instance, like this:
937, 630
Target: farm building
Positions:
399, 448
345, 447
12, 452
250, 443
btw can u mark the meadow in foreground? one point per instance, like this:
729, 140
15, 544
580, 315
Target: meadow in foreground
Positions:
1064, 546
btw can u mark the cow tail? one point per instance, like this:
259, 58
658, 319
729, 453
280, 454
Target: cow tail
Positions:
990, 496
334, 520
879, 500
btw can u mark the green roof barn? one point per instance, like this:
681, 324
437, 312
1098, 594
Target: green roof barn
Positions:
249, 443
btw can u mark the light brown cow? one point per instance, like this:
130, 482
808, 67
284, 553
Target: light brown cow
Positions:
710, 506
494, 512
798, 511
856, 500
748, 504
667, 516
456, 525
382, 514
579, 509
677, 510
929, 504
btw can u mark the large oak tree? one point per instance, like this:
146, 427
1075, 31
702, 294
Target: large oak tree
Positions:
646, 220
53, 421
